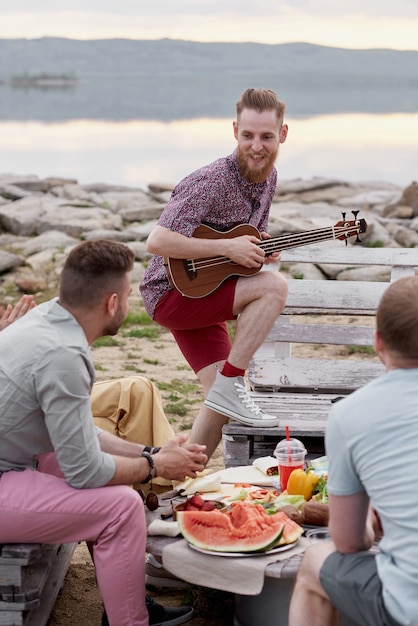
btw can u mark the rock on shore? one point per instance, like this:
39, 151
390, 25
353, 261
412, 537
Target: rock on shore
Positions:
41, 219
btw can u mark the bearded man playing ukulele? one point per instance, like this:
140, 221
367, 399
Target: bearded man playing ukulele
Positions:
231, 191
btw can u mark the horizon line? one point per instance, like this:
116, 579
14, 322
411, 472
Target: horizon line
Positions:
174, 39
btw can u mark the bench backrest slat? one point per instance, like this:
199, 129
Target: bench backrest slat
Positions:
286, 330
313, 375
331, 296
338, 253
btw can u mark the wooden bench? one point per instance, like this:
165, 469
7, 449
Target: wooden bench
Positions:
31, 577
301, 389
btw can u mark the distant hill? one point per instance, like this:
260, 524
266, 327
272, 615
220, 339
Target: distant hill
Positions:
173, 79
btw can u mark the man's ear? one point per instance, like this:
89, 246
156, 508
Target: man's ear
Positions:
235, 126
283, 133
377, 341
112, 304
379, 346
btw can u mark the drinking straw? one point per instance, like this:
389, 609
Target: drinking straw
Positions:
288, 448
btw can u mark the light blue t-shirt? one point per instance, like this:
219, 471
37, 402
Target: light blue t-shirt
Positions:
372, 446
46, 376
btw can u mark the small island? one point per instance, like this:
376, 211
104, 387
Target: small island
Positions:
43, 80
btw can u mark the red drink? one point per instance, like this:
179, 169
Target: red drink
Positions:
290, 455
284, 473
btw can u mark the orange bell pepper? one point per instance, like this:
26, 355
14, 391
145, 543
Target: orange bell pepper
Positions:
302, 483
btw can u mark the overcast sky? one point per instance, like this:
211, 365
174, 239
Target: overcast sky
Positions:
354, 24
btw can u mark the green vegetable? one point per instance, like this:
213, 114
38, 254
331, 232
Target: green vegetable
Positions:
242, 495
283, 500
320, 493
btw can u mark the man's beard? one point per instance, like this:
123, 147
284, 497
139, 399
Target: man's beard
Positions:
252, 174
113, 326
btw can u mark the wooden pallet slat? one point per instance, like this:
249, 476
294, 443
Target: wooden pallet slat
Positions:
31, 576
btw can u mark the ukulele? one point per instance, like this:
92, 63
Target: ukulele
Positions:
197, 278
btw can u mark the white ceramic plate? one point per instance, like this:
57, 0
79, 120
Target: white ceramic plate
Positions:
287, 546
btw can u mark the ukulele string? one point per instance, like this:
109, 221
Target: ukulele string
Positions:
292, 241
270, 245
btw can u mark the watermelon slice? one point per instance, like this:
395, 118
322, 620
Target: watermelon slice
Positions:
291, 530
245, 528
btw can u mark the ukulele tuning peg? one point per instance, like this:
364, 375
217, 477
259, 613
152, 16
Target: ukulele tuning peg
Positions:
343, 215
355, 213
358, 240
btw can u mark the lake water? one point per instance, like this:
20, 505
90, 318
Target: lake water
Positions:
349, 146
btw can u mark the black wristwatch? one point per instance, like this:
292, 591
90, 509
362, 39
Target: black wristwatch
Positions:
152, 469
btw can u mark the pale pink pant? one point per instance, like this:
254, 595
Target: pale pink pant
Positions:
40, 507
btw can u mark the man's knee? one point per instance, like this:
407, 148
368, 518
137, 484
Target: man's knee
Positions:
126, 499
276, 286
312, 561
282, 284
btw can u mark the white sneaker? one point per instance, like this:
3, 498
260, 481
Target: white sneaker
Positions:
229, 396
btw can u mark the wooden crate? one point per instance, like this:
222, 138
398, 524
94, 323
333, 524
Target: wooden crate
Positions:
243, 444
31, 576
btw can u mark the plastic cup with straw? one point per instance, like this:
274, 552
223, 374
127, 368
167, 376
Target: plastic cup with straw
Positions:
290, 454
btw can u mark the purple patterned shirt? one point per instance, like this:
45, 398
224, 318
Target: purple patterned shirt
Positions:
215, 195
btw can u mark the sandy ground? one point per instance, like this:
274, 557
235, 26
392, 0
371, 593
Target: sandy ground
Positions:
160, 359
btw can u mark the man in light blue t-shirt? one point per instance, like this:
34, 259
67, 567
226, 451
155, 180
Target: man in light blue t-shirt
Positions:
371, 444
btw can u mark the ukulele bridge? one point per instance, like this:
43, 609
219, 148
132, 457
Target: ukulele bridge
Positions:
190, 268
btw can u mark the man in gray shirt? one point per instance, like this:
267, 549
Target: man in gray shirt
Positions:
61, 478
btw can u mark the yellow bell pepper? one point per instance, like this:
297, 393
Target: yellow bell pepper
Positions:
302, 483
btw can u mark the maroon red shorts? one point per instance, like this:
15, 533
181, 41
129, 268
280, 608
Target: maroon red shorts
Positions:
199, 324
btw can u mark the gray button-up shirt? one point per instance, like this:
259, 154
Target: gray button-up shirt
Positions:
46, 376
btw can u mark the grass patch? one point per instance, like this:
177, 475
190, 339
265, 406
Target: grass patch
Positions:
106, 342
173, 397
140, 333
232, 327
183, 367
177, 408
137, 318
152, 361
361, 350
139, 325
178, 396
129, 367
177, 386
131, 355
197, 400
373, 244
100, 368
